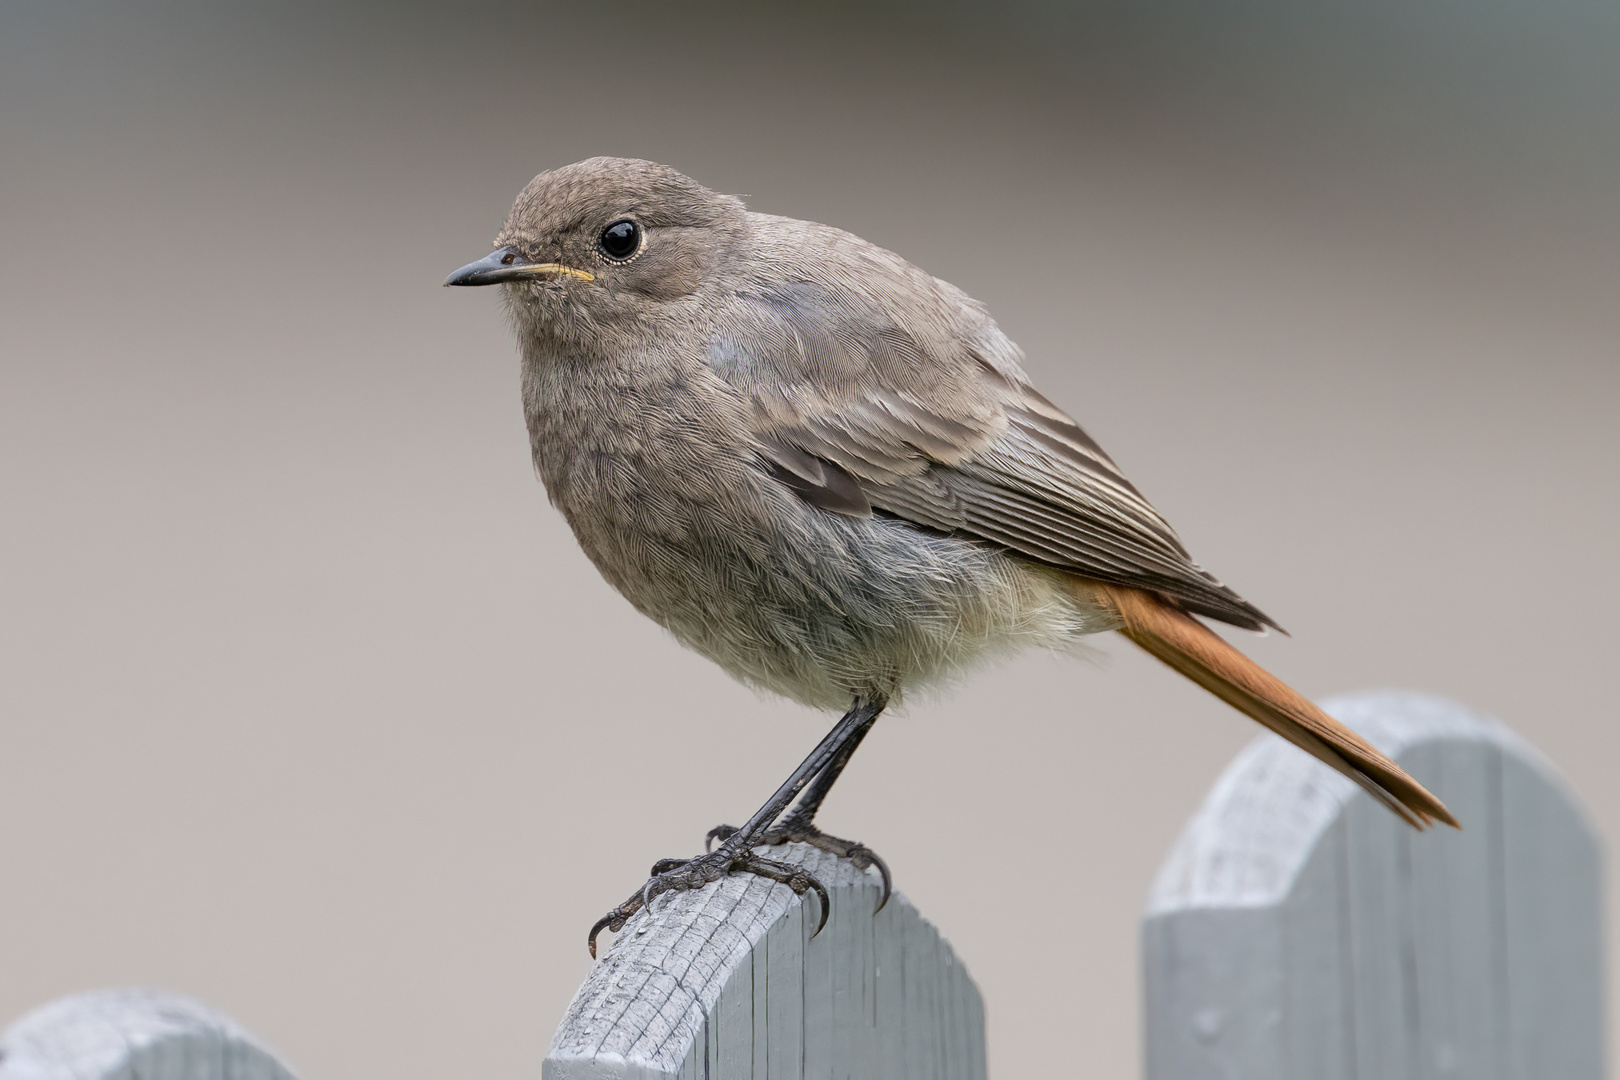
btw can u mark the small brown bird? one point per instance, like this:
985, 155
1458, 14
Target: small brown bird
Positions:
826, 470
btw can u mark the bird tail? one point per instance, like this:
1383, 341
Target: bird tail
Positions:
1200, 654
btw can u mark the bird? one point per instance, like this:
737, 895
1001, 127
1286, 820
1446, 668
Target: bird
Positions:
827, 471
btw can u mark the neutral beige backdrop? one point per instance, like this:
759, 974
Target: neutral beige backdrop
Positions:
312, 708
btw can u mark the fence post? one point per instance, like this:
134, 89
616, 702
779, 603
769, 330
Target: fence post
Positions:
132, 1035
1299, 930
725, 982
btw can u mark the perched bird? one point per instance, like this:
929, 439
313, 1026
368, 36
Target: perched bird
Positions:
827, 471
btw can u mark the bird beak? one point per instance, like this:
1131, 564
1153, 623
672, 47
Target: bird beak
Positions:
505, 264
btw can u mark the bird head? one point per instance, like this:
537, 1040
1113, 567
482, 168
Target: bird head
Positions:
607, 241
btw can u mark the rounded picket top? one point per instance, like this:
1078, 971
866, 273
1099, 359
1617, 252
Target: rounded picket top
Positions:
1299, 929
132, 1034
726, 982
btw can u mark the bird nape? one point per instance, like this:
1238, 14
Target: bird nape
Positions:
827, 471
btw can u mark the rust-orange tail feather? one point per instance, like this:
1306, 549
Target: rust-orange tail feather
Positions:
1191, 648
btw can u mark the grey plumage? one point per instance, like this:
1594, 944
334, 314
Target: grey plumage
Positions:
810, 460
827, 471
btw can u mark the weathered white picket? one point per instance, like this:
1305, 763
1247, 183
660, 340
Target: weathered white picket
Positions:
726, 983
132, 1035
1299, 930
1296, 931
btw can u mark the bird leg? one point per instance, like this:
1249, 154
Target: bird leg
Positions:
798, 827
735, 851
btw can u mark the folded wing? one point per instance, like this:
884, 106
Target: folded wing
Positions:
914, 405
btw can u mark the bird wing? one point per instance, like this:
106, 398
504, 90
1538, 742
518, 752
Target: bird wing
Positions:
913, 404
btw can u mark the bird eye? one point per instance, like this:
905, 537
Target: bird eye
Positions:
620, 240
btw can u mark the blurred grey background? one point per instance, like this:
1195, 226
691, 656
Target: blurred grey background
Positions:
313, 710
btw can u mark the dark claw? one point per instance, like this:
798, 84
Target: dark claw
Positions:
721, 833
647, 894
883, 870
613, 920
826, 905
596, 928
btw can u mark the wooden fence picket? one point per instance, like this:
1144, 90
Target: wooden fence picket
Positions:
1299, 930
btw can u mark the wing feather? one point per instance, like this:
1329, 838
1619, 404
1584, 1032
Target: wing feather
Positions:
906, 399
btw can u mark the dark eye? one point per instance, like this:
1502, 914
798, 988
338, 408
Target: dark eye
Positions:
620, 239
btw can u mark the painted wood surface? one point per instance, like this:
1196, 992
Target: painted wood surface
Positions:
132, 1035
725, 983
1296, 930
1299, 930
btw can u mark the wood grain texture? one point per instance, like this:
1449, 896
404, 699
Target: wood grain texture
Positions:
1297, 929
132, 1035
725, 982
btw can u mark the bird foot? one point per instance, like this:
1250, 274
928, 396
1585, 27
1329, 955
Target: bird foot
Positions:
791, 831
678, 875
